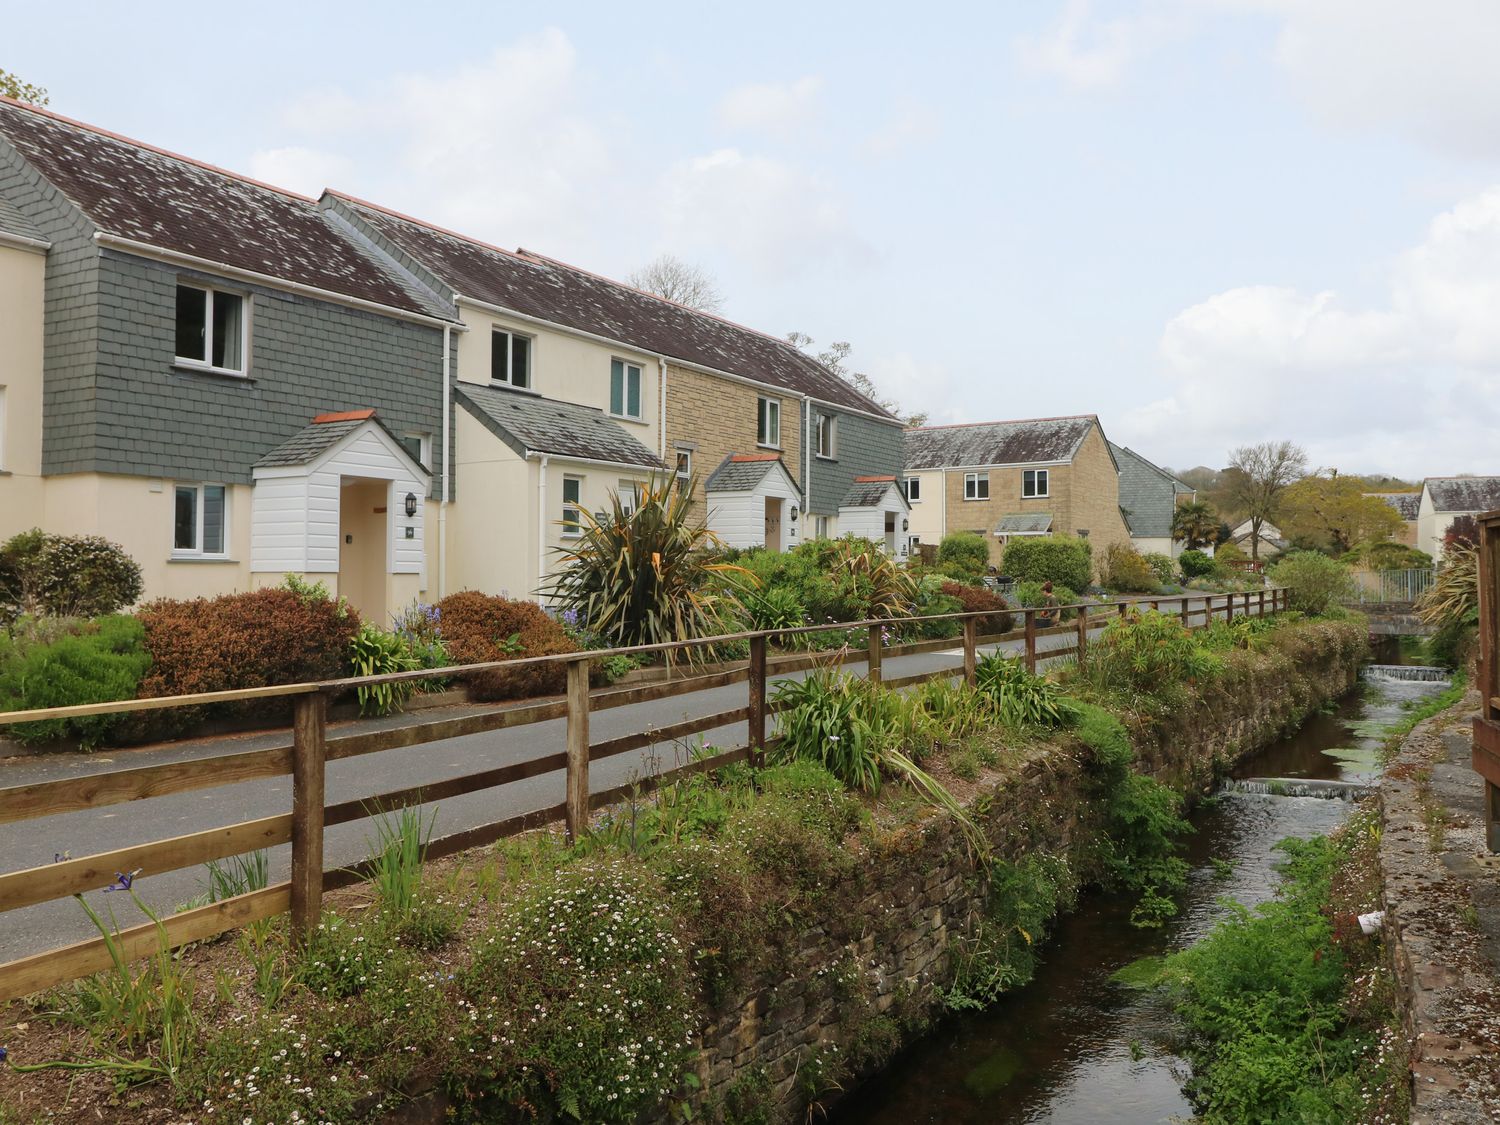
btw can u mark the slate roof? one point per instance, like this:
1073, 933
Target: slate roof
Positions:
529, 423
866, 492
172, 203
1024, 523
1023, 442
326, 430
1464, 494
13, 222
741, 472
1405, 503
542, 287
1148, 494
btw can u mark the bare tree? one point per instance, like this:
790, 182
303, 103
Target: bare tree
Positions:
13, 86
670, 277
1257, 476
835, 357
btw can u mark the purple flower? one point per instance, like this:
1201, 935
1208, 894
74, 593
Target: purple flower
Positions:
4, 1054
122, 881
61, 857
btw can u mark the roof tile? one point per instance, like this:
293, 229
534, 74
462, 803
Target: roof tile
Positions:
1022, 442
543, 425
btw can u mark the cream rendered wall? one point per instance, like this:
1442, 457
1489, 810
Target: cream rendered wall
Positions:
599, 483
1162, 546
22, 274
927, 513
137, 513
491, 536
563, 366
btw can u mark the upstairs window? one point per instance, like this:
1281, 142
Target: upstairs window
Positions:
419, 448
827, 427
510, 358
913, 489
198, 523
624, 389
1034, 482
768, 422
211, 329
684, 467
572, 500
976, 486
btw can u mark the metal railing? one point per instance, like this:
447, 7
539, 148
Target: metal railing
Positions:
1389, 587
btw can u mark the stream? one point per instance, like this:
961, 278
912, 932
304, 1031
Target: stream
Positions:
1074, 1046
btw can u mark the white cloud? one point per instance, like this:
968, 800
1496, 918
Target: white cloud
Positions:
777, 218
908, 127
1409, 385
1088, 53
778, 108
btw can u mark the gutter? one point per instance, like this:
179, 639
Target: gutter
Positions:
173, 257
22, 242
442, 582
541, 522
661, 403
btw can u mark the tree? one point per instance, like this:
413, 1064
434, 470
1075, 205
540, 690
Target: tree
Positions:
1335, 513
1258, 475
1195, 524
835, 357
670, 277
14, 87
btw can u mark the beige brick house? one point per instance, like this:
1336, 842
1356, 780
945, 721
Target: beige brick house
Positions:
1040, 476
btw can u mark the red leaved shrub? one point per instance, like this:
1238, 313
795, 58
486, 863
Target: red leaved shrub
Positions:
264, 637
478, 628
977, 598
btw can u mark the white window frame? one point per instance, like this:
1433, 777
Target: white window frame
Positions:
1041, 484
972, 481
626, 367
767, 410
826, 431
913, 541
572, 528
912, 486
629, 492
820, 523
684, 470
199, 489
206, 363
3, 448
424, 447
510, 358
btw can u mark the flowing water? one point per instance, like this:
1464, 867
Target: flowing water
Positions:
1074, 1046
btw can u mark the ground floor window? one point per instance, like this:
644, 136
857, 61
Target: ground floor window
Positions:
199, 520
572, 501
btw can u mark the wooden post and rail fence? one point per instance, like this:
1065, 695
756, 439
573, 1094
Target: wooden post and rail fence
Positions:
306, 756
1486, 751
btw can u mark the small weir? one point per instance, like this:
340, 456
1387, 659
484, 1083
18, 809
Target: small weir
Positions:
1075, 1047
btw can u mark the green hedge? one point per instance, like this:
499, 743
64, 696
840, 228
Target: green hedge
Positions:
1050, 558
100, 663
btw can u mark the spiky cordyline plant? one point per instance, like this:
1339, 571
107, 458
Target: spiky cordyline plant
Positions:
1454, 593
641, 577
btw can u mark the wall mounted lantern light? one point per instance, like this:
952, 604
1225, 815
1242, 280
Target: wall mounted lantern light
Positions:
411, 504
795, 513
906, 525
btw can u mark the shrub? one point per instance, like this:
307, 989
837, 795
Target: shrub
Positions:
972, 599
776, 607
1021, 698
100, 663
272, 636
1195, 564
1230, 553
1315, 581
1126, 571
374, 652
1386, 555
966, 551
846, 724
479, 628
1030, 596
1062, 561
854, 579
65, 576
1147, 653
642, 576
1163, 567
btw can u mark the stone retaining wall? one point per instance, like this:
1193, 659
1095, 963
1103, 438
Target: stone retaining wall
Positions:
871, 975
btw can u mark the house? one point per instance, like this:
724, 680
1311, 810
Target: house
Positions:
237, 382
1040, 476
1446, 499
205, 370
1408, 506
1271, 540
696, 389
1149, 496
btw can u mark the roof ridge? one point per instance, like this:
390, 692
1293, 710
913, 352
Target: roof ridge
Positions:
168, 153
1001, 422
405, 218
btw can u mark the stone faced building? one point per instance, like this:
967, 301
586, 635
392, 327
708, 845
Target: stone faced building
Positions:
1042, 476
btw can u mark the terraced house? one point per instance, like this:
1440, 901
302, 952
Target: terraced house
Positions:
1038, 476
237, 382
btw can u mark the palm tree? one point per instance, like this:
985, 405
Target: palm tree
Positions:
1196, 524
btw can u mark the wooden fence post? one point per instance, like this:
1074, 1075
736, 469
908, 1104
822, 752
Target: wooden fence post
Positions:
756, 722
1229, 607
578, 749
1187, 617
1261, 608
971, 650
1030, 616
873, 665
1123, 608
1083, 631
309, 732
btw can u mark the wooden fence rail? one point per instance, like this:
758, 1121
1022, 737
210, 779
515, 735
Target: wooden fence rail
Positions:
306, 758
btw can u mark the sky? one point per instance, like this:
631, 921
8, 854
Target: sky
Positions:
1210, 222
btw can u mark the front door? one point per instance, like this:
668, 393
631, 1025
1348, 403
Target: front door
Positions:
773, 523
890, 533
363, 524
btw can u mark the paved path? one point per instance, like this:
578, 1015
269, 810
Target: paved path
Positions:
34, 842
